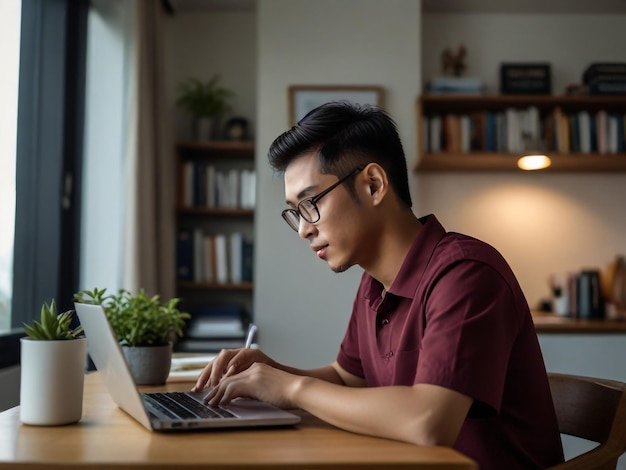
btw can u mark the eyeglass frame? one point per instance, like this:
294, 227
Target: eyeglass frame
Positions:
313, 200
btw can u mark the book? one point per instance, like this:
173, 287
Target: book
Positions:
584, 129
198, 255
221, 259
184, 255
236, 257
602, 131
217, 321
210, 270
452, 133
434, 133
247, 260
562, 131
210, 186
209, 345
247, 189
461, 85
617, 87
188, 178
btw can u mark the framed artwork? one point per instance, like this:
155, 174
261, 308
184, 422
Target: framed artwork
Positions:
304, 98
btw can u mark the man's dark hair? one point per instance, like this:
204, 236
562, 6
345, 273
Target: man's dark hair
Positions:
345, 135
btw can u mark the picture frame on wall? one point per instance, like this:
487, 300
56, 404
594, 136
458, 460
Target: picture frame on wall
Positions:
305, 98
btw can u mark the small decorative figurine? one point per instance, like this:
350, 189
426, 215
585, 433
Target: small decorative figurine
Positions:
236, 129
454, 63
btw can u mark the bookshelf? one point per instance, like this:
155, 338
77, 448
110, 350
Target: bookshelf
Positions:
215, 227
570, 157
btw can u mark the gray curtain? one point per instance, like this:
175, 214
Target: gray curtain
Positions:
149, 239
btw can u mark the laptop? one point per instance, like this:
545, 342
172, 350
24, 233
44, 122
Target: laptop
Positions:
167, 411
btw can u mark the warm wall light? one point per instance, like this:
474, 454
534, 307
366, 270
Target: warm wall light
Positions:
534, 162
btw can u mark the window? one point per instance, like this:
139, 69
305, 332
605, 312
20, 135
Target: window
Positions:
10, 18
47, 162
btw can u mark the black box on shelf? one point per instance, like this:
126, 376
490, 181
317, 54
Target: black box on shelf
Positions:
604, 71
525, 79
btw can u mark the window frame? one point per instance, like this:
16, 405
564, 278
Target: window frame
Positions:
48, 162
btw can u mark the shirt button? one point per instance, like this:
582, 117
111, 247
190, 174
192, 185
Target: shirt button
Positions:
385, 321
390, 353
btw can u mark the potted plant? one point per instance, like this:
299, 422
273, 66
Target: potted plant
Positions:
206, 102
146, 328
53, 358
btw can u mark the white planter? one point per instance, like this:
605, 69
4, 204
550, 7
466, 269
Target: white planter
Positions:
52, 379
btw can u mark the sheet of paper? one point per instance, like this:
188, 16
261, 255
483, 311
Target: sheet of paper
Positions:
186, 369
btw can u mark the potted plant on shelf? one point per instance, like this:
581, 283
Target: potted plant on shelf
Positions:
206, 102
146, 328
52, 373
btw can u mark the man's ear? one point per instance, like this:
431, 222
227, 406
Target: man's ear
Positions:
377, 181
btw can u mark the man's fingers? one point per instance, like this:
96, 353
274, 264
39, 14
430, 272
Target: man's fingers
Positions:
203, 378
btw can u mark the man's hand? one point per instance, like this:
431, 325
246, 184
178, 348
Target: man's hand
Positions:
229, 362
259, 381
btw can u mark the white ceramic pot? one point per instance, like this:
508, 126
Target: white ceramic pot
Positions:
51, 381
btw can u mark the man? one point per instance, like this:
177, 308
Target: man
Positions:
440, 349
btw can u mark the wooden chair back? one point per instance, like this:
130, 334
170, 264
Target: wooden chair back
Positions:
592, 409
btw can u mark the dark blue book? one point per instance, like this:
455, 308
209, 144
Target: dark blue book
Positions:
247, 258
184, 255
593, 135
490, 132
620, 133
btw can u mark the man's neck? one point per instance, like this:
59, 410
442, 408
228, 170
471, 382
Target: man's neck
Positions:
394, 244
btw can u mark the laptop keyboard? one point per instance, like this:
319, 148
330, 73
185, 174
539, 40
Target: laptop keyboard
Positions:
179, 405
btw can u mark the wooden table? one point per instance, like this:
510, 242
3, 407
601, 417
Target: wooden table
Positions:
107, 438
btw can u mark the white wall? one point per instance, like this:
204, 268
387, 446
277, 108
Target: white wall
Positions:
302, 308
542, 223
204, 44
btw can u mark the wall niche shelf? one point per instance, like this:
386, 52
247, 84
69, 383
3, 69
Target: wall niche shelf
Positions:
554, 324
215, 240
476, 158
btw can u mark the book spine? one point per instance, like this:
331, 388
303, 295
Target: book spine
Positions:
184, 255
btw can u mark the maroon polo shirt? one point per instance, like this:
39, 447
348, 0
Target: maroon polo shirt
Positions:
455, 316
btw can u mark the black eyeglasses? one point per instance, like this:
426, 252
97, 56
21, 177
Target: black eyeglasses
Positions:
307, 208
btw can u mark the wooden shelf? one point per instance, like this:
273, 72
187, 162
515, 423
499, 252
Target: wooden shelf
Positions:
217, 149
505, 162
550, 323
485, 161
224, 157
205, 211
190, 285
462, 103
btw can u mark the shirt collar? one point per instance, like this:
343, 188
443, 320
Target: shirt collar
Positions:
412, 270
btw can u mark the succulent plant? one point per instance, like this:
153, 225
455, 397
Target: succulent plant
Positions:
53, 326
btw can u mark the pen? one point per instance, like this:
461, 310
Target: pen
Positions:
251, 332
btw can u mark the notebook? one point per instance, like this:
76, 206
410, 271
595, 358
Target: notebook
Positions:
168, 411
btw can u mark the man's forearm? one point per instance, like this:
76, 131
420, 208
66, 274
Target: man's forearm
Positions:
326, 373
399, 412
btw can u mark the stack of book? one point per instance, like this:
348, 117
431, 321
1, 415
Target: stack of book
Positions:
218, 258
205, 186
213, 328
457, 85
606, 78
510, 130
